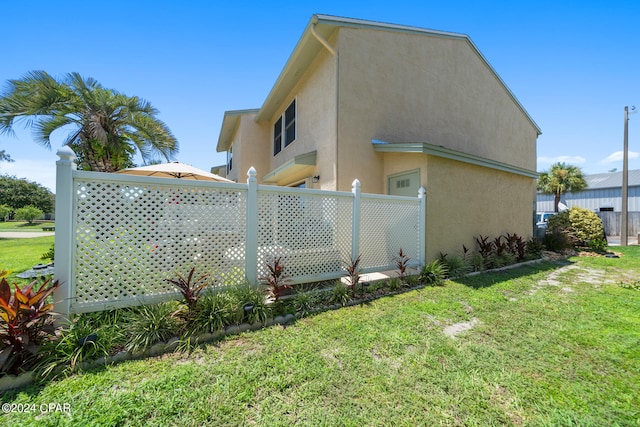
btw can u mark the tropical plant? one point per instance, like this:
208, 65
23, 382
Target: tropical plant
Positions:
276, 281
87, 337
455, 265
305, 301
25, 322
516, 245
190, 288
213, 313
150, 324
108, 128
402, 260
28, 213
339, 294
353, 274
433, 273
248, 303
534, 248
485, 247
560, 179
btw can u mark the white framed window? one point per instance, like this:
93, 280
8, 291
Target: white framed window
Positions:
284, 129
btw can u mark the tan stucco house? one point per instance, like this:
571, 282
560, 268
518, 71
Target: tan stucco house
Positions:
398, 108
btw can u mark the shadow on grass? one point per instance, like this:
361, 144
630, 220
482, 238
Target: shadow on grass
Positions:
494, 277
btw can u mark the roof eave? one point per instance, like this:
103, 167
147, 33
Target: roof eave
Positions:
447, 153
230, 123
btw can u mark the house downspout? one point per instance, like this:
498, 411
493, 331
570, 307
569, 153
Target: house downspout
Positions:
334, 53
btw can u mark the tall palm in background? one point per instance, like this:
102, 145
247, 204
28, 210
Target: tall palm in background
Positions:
105, 128
560, 179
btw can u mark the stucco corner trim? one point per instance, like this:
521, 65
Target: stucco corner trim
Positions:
292, 166
447, 153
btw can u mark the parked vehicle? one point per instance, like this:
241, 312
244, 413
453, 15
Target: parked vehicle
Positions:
542, 218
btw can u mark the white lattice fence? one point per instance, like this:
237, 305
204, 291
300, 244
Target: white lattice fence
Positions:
309, 230
388, 224
131, 237
119, 237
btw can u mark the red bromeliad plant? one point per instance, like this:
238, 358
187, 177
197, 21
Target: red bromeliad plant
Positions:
276, 281
25, 321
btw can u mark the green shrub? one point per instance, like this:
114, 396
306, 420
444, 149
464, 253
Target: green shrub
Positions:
339, 294
580, 226
87, 337
243, 296
455, 266
150, 324
213, 311
586, 225
433, 274
305, 301
5, 210
534, 248
28, 213
394, 284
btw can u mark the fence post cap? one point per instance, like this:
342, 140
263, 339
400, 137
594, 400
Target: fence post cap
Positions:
66, 154
421, 192
355, 184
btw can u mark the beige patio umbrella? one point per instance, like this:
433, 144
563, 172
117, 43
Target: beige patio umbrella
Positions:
174, 170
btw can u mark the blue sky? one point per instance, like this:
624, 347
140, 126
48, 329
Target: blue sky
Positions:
574, 65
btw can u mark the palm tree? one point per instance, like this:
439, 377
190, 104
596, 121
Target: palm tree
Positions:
559, 179
106, 127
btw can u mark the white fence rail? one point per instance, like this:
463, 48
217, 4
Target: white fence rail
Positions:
119, 237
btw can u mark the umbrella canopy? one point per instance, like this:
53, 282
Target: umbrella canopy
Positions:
174, 170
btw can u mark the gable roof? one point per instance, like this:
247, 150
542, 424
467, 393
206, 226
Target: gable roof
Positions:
230, 123
308, 47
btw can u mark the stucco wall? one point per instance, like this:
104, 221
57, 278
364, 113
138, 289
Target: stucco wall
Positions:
400, 87
315, 95
464, 201
250, 148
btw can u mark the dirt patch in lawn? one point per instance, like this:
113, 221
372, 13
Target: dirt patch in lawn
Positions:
457, 328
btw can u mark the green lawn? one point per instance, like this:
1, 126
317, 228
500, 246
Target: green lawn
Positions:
25, 226
555, 344
17, 255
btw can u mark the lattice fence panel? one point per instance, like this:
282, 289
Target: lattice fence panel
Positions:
311, 232
386, 225
130, 238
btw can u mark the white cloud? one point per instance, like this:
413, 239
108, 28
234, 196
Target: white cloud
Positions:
618, 156
572, 160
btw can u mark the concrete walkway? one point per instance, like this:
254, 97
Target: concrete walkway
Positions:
24, 234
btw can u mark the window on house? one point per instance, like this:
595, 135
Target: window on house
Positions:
277, 137
229, 159
290, 124
284, 129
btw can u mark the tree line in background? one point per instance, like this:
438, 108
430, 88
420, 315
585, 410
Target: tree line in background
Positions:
18, 194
